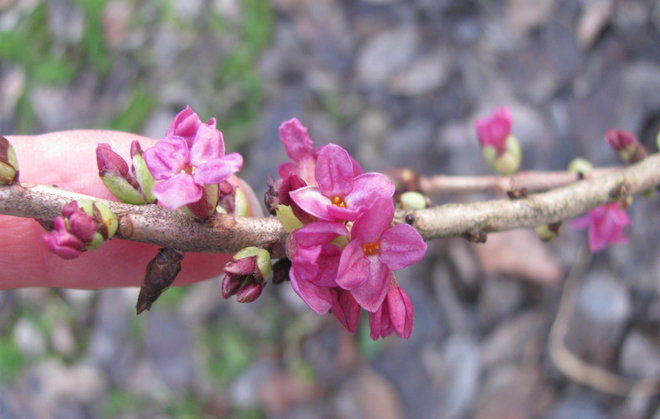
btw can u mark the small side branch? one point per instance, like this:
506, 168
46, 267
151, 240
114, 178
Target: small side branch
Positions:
533, 181
452, 220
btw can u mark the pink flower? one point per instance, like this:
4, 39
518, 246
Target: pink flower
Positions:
299, 148
186, 166
606, 224
396, 314
340, 195
374, 251
72, 232
314, 262
185, 124
493, 131
62, 242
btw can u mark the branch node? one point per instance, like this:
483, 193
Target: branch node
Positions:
620, 191
478, 236
518, 193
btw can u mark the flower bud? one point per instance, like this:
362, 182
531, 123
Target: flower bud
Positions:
413, 201
657, 141
159, 275
249, 293
8, 163
246, 274
141, 172
548, 232
500, 148
84, 225
130, 187
508, 162
580, 166
241, 204
626, 146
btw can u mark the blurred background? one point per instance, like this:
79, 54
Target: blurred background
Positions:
398, 83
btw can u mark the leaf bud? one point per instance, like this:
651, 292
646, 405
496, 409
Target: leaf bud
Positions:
8, 163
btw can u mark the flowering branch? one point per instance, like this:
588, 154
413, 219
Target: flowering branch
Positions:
228, 233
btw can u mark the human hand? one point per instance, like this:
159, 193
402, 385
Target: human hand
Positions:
68, 159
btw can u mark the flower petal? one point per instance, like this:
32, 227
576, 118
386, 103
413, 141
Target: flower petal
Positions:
207, 145
345, 309
218, 170
379, 323
367, 188
401, 246
344, 214
317, 298
295, 138
310, 200
400, 309
334, 171
167, 157
353, 266
374, 221
185, 124
371, 293
177, 191
320, 232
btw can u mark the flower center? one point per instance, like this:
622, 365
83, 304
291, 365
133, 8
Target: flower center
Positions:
338, 201
370, 249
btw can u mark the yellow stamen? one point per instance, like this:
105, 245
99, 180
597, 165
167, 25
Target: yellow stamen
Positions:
370, 249
338, 201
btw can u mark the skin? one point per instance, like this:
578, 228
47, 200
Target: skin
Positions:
68, 159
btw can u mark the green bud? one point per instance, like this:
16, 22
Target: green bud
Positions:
8, 163
580, 166
413, 200
657, 141
287, 218
548, 232
241, 206
102, 214
508, 162
122, 190
108, 218
143, 177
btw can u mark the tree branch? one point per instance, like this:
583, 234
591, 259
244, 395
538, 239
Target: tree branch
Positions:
452, 220
533, 181
227, 233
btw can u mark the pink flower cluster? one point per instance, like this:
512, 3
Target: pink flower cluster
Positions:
606, 224
343, 257
72, 232
191, 156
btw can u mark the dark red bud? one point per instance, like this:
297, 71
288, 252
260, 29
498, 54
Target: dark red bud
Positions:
241, 267
249, 293
110, 162
230, 285
159, 275
619, 139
